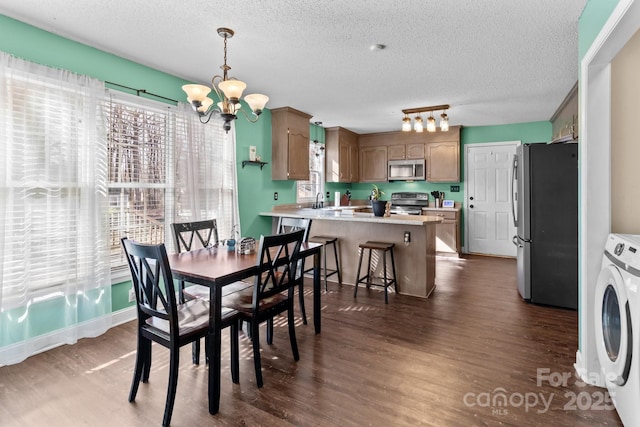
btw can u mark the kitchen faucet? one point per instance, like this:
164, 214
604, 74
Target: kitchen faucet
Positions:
317, 204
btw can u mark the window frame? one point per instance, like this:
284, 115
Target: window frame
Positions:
317, 167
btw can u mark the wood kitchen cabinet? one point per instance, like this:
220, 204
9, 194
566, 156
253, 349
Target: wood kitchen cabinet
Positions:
405, 151
448, 231
415, 151
564, 122
342, 162
396, 152
289, 144
373, 162
443, 161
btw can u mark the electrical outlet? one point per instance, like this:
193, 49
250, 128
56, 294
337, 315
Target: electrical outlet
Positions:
455, 188
407, 237
275, 195
132, 295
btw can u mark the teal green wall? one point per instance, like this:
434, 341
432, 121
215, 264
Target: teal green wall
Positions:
592, 19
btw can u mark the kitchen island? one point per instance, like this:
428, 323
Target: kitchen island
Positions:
415, 260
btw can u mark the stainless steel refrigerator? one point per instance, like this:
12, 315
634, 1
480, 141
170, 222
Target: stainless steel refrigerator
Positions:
545, 213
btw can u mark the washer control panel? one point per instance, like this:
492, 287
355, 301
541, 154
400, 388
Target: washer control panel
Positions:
626, 248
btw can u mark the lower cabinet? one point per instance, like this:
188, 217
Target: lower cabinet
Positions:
448, 231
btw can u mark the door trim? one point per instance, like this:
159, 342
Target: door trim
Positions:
514, 143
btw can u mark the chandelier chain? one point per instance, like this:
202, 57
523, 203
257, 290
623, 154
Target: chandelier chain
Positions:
225, 67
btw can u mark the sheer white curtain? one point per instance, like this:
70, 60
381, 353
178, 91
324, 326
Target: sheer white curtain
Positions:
205, 168
54, 259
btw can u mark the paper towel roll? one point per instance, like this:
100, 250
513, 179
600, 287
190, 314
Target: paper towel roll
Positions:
336, 201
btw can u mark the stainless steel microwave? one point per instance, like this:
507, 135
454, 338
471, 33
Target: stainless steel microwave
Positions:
406, 170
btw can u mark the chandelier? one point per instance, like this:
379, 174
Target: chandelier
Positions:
431, 121
228, 90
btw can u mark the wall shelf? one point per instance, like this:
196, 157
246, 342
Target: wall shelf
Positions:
253, 162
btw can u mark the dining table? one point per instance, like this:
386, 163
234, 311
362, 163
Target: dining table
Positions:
216, 267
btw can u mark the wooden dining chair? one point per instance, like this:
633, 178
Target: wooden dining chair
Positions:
273, 290
165, 320
287, 225
188, 236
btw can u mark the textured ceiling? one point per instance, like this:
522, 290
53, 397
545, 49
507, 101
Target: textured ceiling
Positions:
493, 61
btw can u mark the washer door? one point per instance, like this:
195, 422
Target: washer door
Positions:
613, 326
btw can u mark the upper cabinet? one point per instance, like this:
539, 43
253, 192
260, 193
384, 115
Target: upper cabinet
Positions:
564, 122
373, 164
341, 155
415, 151
443, 161
289, 144
397, 152
440, 149
406, 151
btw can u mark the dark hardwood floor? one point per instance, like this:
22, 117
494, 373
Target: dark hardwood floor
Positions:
468, 356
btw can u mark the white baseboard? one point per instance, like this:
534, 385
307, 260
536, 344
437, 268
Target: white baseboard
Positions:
123, 316
593, 378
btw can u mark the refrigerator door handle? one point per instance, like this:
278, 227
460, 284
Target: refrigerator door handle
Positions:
516, 241
514, 191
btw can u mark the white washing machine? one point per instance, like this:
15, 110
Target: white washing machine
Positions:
617, 324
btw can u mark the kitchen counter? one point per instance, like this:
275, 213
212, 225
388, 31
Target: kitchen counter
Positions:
415, 260
352, 215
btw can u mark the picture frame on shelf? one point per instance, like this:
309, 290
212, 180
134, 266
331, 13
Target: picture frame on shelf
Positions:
447, 203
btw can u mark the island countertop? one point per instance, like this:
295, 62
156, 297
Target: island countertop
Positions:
414, 237
340, 214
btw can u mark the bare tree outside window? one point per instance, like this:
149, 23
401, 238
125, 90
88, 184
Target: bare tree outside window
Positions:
307, 191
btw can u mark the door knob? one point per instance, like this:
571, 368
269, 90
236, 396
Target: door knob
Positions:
471, 198
471, 206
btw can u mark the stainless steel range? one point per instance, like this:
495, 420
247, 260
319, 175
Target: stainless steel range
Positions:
406, 203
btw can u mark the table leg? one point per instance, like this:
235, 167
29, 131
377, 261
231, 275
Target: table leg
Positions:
316, 291
214, 348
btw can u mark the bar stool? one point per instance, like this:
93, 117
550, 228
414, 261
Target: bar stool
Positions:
328, 240
384, 247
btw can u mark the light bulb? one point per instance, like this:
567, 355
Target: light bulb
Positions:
417, 124
431, 124
406, 124
444, 122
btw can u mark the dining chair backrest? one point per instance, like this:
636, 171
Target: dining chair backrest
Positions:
188, 236
152, 282
277, 257
287, 225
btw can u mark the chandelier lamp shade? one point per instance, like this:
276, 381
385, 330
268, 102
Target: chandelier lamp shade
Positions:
228, 90
418, 125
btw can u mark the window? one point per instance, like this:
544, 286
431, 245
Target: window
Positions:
139, 179
307, 191
165, 166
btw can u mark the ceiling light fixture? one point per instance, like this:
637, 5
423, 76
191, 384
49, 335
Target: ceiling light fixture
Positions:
444, 122
417, 124
431, 121
228, 90
406, 123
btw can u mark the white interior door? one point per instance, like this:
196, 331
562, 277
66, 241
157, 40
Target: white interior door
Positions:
489, 227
